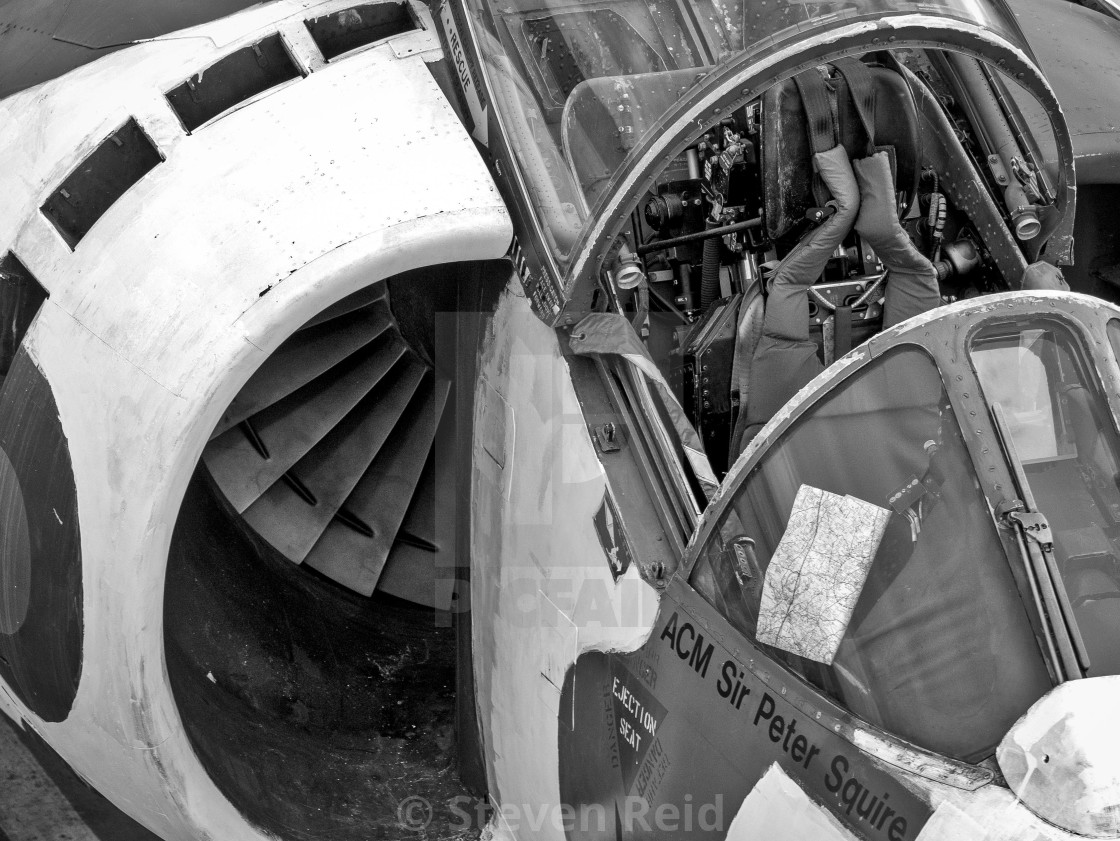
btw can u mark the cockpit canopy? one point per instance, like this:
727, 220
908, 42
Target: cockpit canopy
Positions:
951, 498
582, 90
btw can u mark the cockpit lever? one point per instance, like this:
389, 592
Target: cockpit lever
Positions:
1035, 527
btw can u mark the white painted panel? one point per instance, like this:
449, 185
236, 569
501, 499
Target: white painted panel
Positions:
354, 174
541, 586
778, 810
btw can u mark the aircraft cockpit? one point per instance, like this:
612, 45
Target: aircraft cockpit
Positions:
930, 538
921, 553
690, 438
768, 235
683, 218
736, 203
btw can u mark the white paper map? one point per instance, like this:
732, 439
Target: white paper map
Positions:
817, 572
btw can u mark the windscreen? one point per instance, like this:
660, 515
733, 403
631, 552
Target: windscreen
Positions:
578, 85
860, 551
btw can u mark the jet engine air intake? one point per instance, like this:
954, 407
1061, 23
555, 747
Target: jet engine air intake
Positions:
329, 444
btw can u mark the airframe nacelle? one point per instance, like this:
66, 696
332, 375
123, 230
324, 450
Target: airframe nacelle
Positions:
258, 327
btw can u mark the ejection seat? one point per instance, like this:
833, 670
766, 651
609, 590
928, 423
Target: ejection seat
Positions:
787, 142
858, 112
605, 117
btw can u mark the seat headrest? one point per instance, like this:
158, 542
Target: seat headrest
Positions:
787, 153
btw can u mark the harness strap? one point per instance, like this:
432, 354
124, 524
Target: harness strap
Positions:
842, 339
818, 110
861, 88
816, 99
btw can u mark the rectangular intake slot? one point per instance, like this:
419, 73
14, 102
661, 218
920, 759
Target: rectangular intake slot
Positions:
231, 80
122, 159
348, 29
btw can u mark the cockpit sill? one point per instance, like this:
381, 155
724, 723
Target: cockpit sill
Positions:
880, 744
